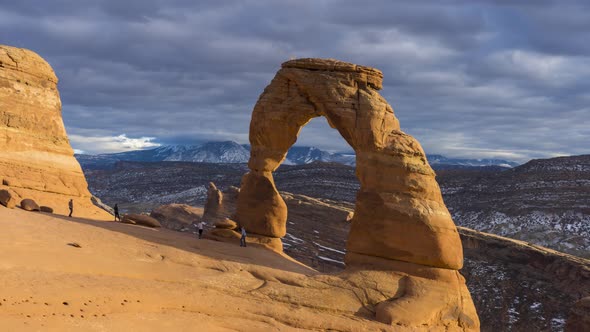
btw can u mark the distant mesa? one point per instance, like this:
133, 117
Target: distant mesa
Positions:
401, 229
36, 159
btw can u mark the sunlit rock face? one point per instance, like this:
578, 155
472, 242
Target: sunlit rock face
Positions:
36, 159
400, 225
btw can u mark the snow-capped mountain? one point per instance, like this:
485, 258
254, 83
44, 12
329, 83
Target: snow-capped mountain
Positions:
210, 152
232, 152
299, 155
436, 160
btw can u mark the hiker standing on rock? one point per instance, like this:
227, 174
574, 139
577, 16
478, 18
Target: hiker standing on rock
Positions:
71, 206
243, 238
116, 209
200, 226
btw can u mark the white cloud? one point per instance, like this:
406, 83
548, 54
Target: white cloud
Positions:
555, 70
110, 144
395, 46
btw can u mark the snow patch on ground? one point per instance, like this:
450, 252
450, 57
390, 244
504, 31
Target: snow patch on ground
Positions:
330, 260
328, 248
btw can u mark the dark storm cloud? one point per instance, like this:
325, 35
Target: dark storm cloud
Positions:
467, 78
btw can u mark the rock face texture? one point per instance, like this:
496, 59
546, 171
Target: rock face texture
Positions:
579, 319
177, 217
36, 159
141, 219
214, 206
400, 224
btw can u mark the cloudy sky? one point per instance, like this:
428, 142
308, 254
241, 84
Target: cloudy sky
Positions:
467, 78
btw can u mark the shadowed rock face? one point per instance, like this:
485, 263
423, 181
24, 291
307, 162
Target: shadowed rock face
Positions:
36, 159
401, 223
579, 319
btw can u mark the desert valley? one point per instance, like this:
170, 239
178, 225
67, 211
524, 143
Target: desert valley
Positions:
379, 238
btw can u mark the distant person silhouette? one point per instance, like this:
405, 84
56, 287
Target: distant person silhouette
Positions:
71, 206
200, 226
243, 238
116, 209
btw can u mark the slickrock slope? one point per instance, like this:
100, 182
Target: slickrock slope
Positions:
130, 278
401, 229
36, 160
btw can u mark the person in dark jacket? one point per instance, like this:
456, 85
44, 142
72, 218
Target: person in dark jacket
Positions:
243, 238
71, 206
116, 209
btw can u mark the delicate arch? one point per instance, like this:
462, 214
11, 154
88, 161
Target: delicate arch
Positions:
399, 214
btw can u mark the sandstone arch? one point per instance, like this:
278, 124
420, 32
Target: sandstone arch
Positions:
402, 236
400, 214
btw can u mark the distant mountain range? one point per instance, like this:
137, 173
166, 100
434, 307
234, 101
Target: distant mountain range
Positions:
229, 152
211, 152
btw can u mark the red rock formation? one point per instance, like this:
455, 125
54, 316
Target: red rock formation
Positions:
36, 159
400, 225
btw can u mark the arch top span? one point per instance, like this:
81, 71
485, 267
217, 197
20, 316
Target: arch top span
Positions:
371, 76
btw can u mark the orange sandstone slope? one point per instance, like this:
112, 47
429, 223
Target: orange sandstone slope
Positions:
130, 278
36, 159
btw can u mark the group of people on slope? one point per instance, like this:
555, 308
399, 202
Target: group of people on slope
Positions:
200, 225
